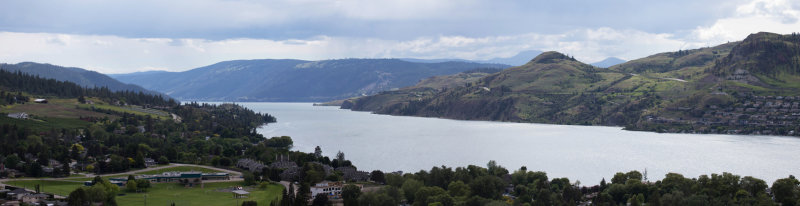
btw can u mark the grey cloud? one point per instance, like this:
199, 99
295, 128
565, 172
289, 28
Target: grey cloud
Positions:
211, 19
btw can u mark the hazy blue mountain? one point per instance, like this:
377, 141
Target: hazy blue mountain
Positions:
294, 80
521, 58
608, 62
137, 73
79, 76
434, 60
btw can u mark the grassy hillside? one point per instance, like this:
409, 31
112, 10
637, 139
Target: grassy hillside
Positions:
748, 87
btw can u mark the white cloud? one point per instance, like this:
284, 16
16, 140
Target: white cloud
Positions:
777, 16
113, 54
116, 54
61, 39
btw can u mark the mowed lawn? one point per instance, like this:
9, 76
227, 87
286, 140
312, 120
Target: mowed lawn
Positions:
59, 187
168, 193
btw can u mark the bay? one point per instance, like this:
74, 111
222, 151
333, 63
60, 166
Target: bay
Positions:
584, 153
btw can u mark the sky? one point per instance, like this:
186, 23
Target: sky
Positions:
124, 36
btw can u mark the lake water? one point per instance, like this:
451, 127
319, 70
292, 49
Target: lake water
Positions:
585, 153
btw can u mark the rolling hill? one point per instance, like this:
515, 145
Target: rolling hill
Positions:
294, 80
746, 87
78, 76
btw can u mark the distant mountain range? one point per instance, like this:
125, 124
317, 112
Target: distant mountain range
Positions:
136, 73
294, 80
79, 76
608, 62
746, 87
516, 60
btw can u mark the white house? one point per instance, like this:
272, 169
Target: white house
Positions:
332, 189
21, 115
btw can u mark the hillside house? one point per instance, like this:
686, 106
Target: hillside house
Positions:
149, 162
332, 189
21, 115
351, 174
17, 194
34, 199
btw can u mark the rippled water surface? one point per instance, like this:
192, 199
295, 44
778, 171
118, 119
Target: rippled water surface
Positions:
585, 153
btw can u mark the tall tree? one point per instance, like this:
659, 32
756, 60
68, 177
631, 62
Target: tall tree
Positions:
350, 194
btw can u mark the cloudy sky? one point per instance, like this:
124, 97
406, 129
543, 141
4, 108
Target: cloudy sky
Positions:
127, 36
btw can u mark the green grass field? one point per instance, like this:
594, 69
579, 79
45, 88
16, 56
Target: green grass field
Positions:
59, 187
168, 193
133, 110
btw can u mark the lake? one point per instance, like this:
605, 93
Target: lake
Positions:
585, 153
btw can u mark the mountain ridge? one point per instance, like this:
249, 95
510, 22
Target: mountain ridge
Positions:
608, 62
295, 80
699, 90
82, 77
520, 58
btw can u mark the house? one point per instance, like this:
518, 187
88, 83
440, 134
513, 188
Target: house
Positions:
34, 198
291, 173
11, 173
17, 194
250, 164
351, 174
40, 101
11, 203
332, 189
54, 163
55, 203
21, 115
283, 162
149, 162
48, 169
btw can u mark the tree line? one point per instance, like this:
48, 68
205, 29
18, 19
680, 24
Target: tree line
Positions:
494, 185
18, 81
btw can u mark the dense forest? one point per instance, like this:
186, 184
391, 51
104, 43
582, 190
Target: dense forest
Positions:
17, 82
